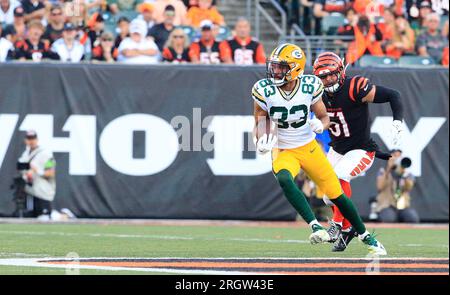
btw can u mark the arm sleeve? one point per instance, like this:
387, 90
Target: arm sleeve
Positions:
384, 94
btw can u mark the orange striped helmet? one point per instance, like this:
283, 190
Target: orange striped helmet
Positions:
329, 63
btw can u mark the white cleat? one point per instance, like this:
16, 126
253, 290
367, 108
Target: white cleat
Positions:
319, 236
374, 247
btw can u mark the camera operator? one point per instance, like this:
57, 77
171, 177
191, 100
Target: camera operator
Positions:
394, 184
39, 176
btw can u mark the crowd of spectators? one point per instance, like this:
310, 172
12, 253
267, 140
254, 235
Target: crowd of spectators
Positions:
126, 31
189, 31
392, 28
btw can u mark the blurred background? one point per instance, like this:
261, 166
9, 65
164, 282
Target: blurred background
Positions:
102, 84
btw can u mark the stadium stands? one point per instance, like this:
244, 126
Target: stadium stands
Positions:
335, 27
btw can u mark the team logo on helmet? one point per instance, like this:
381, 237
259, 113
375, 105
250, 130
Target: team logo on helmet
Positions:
297, 54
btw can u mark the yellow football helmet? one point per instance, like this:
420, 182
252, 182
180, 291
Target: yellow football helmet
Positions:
286, 63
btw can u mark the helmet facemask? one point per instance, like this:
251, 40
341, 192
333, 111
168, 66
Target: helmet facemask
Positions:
278, 72
336, 85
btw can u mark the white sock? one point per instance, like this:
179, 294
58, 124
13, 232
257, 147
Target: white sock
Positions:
364, 235
314, 222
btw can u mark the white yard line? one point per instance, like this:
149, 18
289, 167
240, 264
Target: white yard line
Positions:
26, 262
74, 264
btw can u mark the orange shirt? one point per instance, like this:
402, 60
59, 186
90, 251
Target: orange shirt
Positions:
196, 15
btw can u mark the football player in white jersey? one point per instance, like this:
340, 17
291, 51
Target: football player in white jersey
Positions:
286, 98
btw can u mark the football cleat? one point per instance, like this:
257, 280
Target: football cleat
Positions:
343, 241
334, 231
319, 235
375, 247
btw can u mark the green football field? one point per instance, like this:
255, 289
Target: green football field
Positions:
21, 242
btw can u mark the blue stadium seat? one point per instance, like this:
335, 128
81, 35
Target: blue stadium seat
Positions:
189, 31
376, 61
331, 23
416, 61
224, 33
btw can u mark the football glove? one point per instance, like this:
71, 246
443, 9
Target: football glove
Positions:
265, 143
316, 125
396, 132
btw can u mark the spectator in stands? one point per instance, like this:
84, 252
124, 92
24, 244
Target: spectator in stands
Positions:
367, 40
307, 17
137, 48
116, 6
204, 11
431, 43
373, 9
34, 9
324, 8
6, 45
7, 11
160, 32
105, 51
399, 38
33, 47
96, 26
351, 19
76, 12
292, 10
146, 10
191, 3
55, 25
394, 184
180, 11
243, 49
68, 48
18, 27
176, 49
207, 50
123, 27
418, 23
93, 6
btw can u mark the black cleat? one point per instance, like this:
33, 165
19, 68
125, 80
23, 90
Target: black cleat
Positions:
343, 241
334, 231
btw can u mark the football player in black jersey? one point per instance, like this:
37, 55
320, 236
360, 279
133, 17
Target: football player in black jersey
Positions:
352, 150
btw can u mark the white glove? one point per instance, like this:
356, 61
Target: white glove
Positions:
396, 132
265, 143
316, 125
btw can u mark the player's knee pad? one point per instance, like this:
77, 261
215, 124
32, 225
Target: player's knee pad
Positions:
284, 178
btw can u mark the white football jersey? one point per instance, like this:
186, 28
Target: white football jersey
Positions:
290, 111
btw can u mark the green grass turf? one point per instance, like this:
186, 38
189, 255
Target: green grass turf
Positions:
88, 240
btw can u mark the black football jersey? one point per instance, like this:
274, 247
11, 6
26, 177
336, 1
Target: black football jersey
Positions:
349, 116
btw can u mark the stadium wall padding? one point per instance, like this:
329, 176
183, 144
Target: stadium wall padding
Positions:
80, 101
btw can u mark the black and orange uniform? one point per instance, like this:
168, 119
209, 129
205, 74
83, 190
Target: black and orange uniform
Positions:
244, 52
350, 128
210, 52
97, 53
25, 50
169, 54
